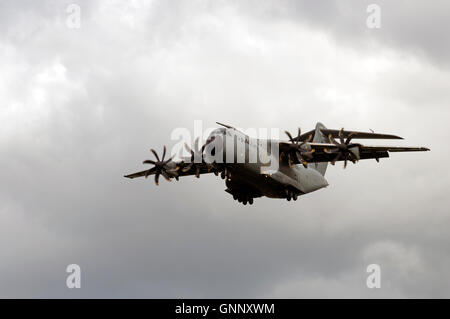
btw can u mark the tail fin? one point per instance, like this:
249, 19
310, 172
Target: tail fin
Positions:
320, 138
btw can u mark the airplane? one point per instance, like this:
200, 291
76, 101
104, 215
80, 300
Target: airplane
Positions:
300, 163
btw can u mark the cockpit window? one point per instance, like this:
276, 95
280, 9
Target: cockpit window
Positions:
218, 131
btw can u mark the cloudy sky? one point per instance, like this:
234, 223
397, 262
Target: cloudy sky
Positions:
80, 107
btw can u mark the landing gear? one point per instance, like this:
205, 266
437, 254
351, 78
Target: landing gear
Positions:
225, 173
244, 199
290, 194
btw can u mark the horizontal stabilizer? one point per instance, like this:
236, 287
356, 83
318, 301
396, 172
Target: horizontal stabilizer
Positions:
361, 135
394, 149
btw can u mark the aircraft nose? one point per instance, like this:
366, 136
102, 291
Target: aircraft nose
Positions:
215, 147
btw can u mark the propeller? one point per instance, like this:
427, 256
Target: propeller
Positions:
197, 153
162, 167
302, 150
344, 148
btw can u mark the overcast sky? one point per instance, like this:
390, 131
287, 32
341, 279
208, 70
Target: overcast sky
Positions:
80, 107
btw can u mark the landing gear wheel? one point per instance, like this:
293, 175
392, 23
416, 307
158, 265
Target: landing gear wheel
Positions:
250, 200
288, 195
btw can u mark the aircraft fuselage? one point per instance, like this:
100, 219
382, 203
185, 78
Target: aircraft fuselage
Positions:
250, 163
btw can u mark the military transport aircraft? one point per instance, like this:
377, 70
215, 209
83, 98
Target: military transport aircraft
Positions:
300, 163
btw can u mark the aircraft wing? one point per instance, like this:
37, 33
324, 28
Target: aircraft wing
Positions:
361, 135
365, 152
345, 134
369, 149
323, 152
202, 169
137, 174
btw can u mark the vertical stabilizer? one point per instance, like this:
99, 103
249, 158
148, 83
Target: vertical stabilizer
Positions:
320, 138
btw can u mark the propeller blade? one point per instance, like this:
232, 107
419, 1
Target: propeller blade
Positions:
154, 153
341, 136
349, 138
157, 178
196, 144
197, 171
289, 135
148, 162
150, 171
169, 159
172, 173
164, 154
338, 156
188, 149
299, 156
165, 175
332, 141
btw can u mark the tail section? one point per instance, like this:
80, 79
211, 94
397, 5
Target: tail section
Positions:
320, 138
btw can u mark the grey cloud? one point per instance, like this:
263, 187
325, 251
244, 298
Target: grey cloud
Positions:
412, 27
82, 107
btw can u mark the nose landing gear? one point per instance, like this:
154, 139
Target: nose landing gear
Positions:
225, 173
